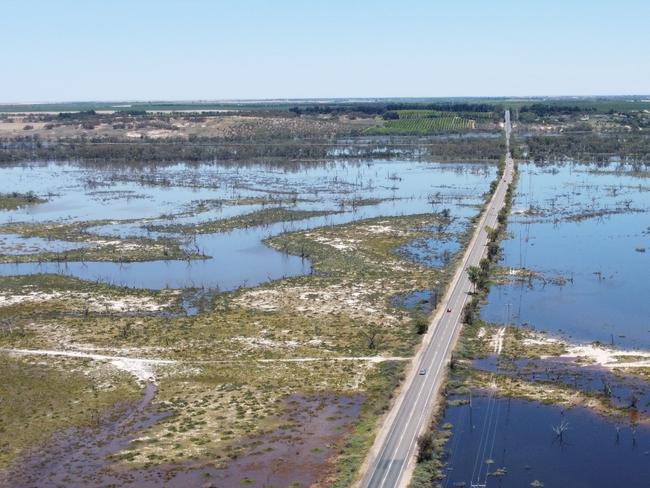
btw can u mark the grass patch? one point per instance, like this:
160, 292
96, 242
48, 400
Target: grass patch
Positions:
93, 247
262, 217
15, 200
37, 400
380, 385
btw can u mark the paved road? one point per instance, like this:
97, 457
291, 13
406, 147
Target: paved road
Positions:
397, 443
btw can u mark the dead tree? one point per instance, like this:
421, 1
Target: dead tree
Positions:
560, 429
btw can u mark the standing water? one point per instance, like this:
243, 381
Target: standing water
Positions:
133, 199
579, 233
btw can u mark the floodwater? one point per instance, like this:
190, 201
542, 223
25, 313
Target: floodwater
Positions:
621, 391
77, 457
583, 233
606, 296
166, 195
418, 300
125, 201
20, 245
518, 436
294, 454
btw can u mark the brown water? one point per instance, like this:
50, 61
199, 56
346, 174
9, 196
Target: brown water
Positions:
295, 454
77, 457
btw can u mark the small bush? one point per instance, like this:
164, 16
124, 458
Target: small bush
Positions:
425, 447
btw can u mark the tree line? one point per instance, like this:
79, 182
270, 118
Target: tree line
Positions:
589, 147
381, 108
547, 109
444, 148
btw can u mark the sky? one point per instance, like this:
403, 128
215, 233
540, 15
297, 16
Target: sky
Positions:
90, 50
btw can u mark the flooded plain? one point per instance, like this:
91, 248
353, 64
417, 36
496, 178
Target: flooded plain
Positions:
588, 230
274, 426
574, 268
579, 232
294, 454
502, 442
131, 201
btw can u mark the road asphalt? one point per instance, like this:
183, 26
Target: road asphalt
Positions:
397, 442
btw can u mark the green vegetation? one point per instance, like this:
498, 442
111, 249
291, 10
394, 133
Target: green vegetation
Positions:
209, 149
93, 247
414, 122
590, 147
431, 452
216, 406
596, 128
262, 217
345, 304
415, 114
251, 132
49, 297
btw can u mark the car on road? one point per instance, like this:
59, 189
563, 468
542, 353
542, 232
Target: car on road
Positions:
423, 371
449, 310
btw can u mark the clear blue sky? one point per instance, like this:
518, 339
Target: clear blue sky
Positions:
65, 50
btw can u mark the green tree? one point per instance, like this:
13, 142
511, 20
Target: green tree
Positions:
475, 275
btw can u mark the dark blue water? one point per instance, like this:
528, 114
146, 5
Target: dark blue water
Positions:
610, 289
604, 298
618, 389
517, 435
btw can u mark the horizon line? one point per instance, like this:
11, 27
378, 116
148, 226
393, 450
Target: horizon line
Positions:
326, 99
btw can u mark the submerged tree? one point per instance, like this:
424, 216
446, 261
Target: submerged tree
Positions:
560, 429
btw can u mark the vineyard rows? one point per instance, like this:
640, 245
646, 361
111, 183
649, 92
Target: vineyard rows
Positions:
424, 125
423, 114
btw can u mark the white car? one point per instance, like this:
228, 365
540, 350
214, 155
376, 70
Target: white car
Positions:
423, 371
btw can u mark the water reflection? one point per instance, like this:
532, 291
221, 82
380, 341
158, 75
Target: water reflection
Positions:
605, 297
238, 258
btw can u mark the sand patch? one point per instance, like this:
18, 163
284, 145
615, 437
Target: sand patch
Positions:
93, 302
337, 242
354, 301
608, 357
142, 369
496, 342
